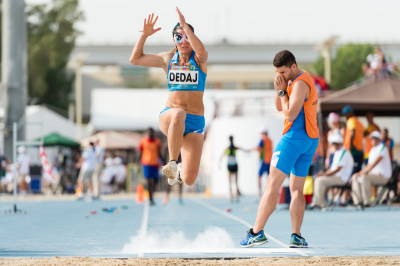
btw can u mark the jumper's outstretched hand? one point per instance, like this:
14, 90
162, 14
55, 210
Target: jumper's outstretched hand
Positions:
182, 20
148, 25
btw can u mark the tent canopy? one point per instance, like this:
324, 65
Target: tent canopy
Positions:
114, 140
382, 97
55, 139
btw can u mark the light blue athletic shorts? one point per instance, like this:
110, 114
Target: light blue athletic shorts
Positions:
294, 155
193, 123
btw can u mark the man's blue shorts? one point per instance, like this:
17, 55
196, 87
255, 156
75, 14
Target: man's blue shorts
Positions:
193, 123
264, 167
293, 155
150, 171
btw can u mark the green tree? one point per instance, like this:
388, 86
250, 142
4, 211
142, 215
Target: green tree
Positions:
347, 64
318, 66
51, 39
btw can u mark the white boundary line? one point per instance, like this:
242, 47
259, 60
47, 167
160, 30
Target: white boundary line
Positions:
222, 252
248, 225
145, 222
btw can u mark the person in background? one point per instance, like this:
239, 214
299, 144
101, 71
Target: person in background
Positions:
119, 174
382, 68
353, 137
149, 149
60, 170
107, 177
7, 181
320, 84
335, 129
265, 150
23, 169
97, 169
87, 163
388, 141
372, 126
370, 69
338, 174
3, 160
233, 167
376, 172
77, 154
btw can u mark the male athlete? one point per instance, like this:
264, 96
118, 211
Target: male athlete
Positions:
296, 96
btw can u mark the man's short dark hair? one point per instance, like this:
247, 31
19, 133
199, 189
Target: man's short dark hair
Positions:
284, 58
150, 131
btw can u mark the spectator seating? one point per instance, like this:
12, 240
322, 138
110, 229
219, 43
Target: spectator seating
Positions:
391, 185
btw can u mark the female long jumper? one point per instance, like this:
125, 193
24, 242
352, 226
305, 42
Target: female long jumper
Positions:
182, 119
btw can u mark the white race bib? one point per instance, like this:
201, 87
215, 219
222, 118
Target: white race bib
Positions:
183, 77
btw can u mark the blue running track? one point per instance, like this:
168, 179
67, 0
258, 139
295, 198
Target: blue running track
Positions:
201, 227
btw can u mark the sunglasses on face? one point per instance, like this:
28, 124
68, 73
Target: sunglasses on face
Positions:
180, 37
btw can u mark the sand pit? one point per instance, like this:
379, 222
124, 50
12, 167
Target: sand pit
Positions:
345, 260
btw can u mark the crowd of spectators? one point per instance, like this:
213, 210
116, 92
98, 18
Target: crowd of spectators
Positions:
87, 173
21, 169
378, 65
358, 156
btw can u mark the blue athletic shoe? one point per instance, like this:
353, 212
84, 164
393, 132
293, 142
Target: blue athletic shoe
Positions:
251, 240
298, 242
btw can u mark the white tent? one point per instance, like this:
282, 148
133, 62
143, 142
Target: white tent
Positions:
42, 121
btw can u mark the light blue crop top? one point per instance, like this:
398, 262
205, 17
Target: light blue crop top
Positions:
186, 77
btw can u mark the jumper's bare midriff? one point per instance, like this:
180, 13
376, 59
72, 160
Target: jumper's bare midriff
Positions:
190, 101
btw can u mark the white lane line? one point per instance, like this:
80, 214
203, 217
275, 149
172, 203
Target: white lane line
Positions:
248, 225
145, 222
221, 252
